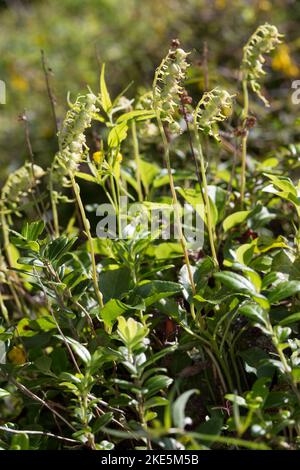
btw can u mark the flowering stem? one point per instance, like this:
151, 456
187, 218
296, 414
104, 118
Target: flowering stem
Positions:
244, 141
175, 205
86, 225
54, 208
206, 199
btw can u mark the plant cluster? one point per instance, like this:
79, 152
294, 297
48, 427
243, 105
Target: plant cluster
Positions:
133, 341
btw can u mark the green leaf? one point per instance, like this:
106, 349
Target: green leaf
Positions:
57, 248
20, 442
32, 231
131, 332
156, 401
283, 291
254, 312
294, 318
152, 291
218, 196
78, 349
235, 219
148, 172
43, 363
114, 281
282, 183
240, 401
195, 199
137, 114
105, 98
165, 250
157, 383
178, 175
235, 282
240, 285
112, 310
117, 135
86, 177
178, 409
102, 421
4, 393
213, 426
296, 374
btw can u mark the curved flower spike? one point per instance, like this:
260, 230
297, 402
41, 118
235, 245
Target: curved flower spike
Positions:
215, 106
20, 183
262, 42
71, 138
167, 86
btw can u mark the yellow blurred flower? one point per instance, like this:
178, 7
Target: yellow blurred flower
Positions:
264, 5
220, 4
119, 157
283, 62
98, 157
18, 82
17, 355
40, 40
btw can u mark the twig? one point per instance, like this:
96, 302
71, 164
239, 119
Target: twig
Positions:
34, 397
205, 66
49, 90
39, 433
24, 119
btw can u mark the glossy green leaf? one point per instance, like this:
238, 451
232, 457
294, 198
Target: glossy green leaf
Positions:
105, 98
283, 291
235, 219
179, 406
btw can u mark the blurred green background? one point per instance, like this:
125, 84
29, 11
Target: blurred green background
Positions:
131, 36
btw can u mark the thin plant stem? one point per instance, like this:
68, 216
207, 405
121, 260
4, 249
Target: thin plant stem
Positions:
37, 433
42, 402
54, 207
49, 90
86, 225
244, 142
197, 169
32, 161
175, 205
116, 201
206, 199
137, 160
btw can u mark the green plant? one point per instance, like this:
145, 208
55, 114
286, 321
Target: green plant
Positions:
262, 42
134, 339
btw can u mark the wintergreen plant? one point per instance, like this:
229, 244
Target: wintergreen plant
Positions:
167, 88
224, 332
18, 187
263, 41
72, 147
214, 107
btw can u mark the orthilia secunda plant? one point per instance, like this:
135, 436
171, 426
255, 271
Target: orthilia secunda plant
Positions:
215, 106
72, 148
263, 41
167, 90
18, 187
